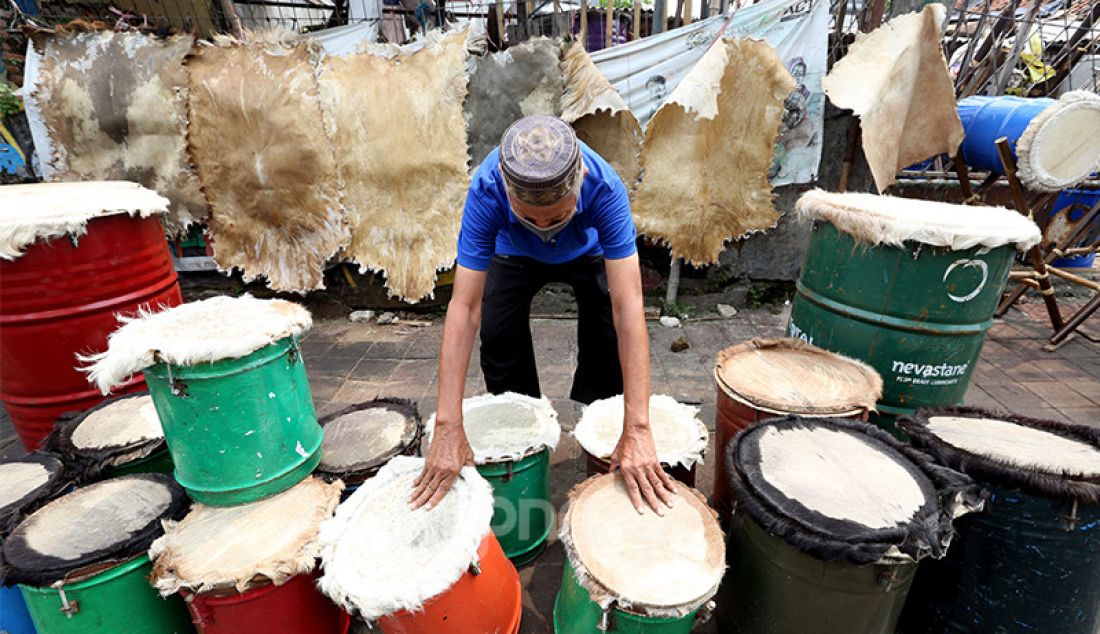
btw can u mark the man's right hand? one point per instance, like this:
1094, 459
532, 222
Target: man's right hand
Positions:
448, 453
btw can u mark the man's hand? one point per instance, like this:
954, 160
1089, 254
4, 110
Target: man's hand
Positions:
449, 452
635, 457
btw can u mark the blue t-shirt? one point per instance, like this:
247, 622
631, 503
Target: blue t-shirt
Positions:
602, 225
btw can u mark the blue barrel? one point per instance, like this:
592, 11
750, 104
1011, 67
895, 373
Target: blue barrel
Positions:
986, 119
14, 618
1079, 201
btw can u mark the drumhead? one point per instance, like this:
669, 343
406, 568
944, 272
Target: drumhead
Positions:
243, 546
890, 220
115, 432
661, 567
680, 437
1061, 146
25, 483
379, 555
363, 437
844, 490
112, 520
1047, 457
206, 331
791, 376
509, 426
42, 211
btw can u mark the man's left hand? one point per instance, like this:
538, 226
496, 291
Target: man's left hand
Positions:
635, 457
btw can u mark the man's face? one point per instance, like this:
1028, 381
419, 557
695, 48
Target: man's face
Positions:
546, 215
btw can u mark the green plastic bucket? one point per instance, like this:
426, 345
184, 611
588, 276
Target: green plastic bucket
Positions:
770, 586
239, 430
576, 613
118, 599
917, 314
522, 514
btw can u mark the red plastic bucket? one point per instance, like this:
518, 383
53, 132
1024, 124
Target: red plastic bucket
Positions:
295, 607
59, 298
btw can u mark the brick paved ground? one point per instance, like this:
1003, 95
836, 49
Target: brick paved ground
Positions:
354, 362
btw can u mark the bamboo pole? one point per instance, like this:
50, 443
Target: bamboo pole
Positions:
637, 19
609, 24
554, 20
500, 22
584, 24
687, 12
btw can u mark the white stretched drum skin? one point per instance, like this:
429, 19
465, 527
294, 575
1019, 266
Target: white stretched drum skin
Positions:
680, 437
506, 427
1024, 447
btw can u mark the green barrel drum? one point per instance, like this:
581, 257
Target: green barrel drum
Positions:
80, 560
512, 436
118, 599
1031, 562
832, 517
907, 286
637, 573
120, 436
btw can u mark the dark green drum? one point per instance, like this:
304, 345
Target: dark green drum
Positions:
1031, 562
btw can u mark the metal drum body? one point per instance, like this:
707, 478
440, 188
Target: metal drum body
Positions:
490, 601
1016, 567
596, 466
14, 617
239, 430
918, 315
295, 607
118, 599
772, 587
522, 514
986, 119
576, 613
59, 299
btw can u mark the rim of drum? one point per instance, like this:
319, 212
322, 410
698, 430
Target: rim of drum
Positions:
824, 412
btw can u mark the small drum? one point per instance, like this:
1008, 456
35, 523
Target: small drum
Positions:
81, 559
229, 384
1032, 561
437, 571
512, 436
907, 286
72, 257
25, 484
680, 437
831, 518
765, 378
636, 572
1056, 141
117, 437
360, 439
251, 568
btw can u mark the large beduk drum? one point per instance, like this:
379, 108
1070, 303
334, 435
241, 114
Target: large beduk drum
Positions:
25, 484
229, 384
1031, 563
908, 286
119, 436
1056, 142
360, 439
420, 571
512, 436
678, 434
81, 559
636, 572
831, 518
72, 256
250, 568
765, 378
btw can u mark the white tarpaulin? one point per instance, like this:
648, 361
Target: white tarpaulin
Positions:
646, 71
344, 40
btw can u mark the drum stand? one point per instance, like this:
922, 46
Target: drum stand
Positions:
1039, 256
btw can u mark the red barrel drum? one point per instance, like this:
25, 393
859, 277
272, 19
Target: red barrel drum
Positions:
766, 378
59, 299
295, 607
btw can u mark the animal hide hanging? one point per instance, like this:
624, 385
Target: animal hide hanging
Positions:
708, 149
896, 80
599, 114
258, 142
400, 138
522, 81
115, 108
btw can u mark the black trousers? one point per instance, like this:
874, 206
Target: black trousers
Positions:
507, 354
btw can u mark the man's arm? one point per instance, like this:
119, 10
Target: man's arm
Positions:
450, 450
635, 455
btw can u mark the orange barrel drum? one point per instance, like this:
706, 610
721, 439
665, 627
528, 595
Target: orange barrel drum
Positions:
72, 257
766, 378
423, 571
679, 435
252, 568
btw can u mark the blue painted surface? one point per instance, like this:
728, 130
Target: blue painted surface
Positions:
986, 119
1081, 200
14, 618
10, 159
